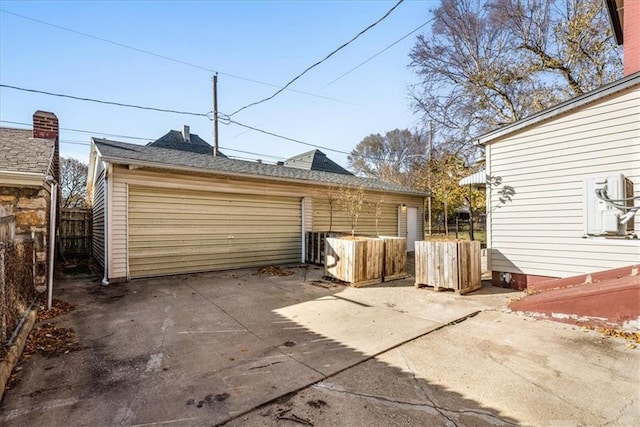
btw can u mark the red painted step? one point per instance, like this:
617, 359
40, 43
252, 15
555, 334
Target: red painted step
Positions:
609, 299
584, 279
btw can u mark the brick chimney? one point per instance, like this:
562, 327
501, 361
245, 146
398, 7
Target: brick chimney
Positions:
631, 29
45, 126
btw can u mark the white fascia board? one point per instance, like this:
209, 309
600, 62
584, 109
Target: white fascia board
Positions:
21, 179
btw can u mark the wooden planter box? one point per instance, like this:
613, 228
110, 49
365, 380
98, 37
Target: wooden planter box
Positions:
355, 260
448, 265
395, 258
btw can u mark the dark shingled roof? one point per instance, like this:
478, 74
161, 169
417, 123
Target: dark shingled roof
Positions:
124, 153
173, 140
315, 160
23, 153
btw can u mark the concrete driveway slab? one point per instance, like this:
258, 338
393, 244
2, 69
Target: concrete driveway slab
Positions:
364, 330
496, 368
200, 349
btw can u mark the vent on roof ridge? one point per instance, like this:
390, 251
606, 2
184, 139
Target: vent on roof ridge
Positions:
186, 135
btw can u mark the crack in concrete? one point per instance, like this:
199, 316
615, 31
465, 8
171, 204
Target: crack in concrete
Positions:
246, 328
430, 405
533, 383
424, 392
620, 414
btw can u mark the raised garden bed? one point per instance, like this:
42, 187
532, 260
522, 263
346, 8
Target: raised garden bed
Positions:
448, 265
395, 258
358, 261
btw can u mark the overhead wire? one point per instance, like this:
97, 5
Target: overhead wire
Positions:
85, 131
223, 118
178, 61
266, 132
376, 55
339, 48
119, 104
76, 142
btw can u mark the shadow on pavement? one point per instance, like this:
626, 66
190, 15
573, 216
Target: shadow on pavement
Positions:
205, 349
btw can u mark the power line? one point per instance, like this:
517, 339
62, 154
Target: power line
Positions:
77, 98
377, 54
321, 61
92, 132
224, 119
76, 142
266, 132
178, 61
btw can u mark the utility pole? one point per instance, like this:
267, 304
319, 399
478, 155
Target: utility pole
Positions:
215, 115
429, 171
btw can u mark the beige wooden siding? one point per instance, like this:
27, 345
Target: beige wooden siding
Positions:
540, 230
388, 219
308, 214
118, 232
179, 181
182, 231
97, 243
323, 221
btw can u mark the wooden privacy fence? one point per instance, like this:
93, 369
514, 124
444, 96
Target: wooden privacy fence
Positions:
7, 228
75, 232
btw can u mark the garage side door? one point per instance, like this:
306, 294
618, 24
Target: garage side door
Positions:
178, 231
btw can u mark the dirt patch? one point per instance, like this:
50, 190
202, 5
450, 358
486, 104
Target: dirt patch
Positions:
47, 340
275, 271
629, 336
51, 341
58, 308
319, 403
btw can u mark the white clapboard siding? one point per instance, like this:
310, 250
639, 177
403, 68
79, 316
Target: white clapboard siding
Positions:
540, 230
183, 231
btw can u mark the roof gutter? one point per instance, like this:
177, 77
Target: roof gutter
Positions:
120, 161
28, 179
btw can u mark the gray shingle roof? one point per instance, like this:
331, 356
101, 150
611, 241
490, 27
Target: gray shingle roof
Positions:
315, 160
173, 140
124, 153
20, 152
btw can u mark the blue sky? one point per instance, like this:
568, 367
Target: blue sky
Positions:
268, 41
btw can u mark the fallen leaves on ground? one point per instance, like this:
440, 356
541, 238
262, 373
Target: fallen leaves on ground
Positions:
58, 308
629, 336
275, 271
51, 341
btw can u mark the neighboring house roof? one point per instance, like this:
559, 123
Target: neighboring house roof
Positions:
174, 140
478, 179
315, 160
572, 104
23, 155
151, 156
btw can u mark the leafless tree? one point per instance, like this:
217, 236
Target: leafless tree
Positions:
389, 157
74, 183
487, 63
351, 201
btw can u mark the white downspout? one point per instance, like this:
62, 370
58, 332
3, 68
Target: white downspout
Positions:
105, 279
52, 236
304, 243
